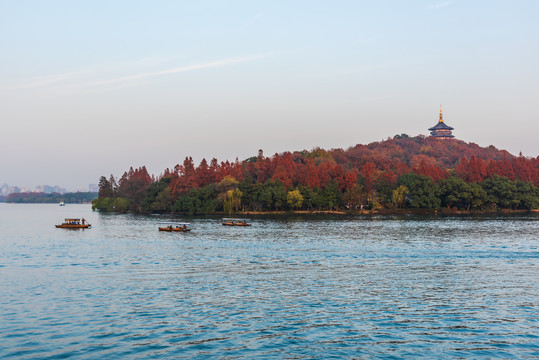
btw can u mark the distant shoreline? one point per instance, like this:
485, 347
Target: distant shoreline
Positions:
385, 212
443, 211
361, 212
50, 198
46, 203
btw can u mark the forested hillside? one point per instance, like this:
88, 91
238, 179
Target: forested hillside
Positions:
403, 172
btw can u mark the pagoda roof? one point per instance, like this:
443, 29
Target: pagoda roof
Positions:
445, 136
441, 126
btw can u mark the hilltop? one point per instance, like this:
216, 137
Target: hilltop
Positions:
412, 150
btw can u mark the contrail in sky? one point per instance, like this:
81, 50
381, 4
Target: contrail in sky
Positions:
67, 79
181, 69
45, 80
252, 20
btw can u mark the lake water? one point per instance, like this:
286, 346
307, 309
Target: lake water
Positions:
364, 287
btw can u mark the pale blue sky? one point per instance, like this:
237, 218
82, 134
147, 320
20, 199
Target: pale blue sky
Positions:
91, 88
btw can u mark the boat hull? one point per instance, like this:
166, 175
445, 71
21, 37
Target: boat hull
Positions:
173, 229
235, 224
69, 226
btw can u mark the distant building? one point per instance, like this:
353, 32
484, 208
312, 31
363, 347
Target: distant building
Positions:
441, 130
47, 189
93, 188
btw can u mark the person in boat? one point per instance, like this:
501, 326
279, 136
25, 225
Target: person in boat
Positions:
83, 221
244, 222
184, 226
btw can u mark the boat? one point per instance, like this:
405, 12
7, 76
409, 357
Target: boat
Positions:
179, 227
235, 222
62, 203
72, 223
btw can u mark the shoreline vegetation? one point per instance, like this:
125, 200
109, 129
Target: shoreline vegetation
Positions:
399, 175
389, 212
50, 198
442, 211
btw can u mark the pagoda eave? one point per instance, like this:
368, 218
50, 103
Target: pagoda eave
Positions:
443, 136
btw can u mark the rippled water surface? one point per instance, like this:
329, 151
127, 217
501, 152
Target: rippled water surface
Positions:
287, 287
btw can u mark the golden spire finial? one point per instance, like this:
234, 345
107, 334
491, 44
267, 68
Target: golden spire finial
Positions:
441, 119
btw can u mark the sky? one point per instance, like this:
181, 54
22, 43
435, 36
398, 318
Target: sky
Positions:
91, 88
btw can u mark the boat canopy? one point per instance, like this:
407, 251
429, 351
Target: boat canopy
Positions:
235, 219
72, 219
173, 223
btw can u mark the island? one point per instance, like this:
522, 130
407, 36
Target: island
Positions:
399, 174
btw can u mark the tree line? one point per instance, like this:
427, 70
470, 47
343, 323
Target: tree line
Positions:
46, 198
399, 173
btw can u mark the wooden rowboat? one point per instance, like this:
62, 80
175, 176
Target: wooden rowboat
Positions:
173, 229
235, 222
73, 224
179, 227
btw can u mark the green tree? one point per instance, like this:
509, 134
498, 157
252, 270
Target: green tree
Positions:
249, 198
207, 200
163, 201
501, 192
527, 195
423, 193
330, 196
272, 195
198, 201
121, 205
102, 204
384, 190
478, 196
311, 197
187, 203
454, 192
152, 193
118, 204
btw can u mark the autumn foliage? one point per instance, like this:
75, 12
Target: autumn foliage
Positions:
363, 176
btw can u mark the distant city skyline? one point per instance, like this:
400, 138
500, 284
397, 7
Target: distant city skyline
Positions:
6, 189
91, 88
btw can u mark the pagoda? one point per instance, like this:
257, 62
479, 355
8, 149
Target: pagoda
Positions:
441, 130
